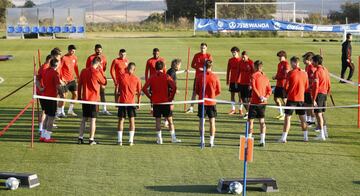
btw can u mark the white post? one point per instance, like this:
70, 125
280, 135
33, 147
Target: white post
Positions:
194, 25
215, 10
294, 14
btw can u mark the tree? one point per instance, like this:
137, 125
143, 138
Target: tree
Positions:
29, 4
3, 5
195, 8
348, 10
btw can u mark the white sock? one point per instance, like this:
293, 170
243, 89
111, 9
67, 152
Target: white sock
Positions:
284, 136
58, 110
281, 111
307, 118
159, 134
104, 108
41, 126
48, 134
212, 138
191, 108
81, 137
71, 107
232, 106
172, 133
306, 135
120, 135
322, 133
241, 106
262, 138
63, 109
43, 134
92, 139
131, 136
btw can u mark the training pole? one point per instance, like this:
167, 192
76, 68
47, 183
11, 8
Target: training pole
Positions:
359, 92
187, 77
33, 105
245, 157
39, 57
37, 100
203, 109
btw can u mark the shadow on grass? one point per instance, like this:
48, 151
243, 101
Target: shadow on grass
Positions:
208, 189
356, 182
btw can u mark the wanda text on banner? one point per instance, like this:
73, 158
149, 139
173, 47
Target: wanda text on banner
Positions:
265, 25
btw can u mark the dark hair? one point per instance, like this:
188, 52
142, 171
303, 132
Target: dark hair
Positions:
317, 59
308, 56
159, 65
175, 62
295, 59
98, 46
131, 65
96, 60
156, 50
203, 44
281, 53
208, 64
348, 35
244, 53
235, 49
71, 47
48, 57
54, 62
122, 51
55, 51
258, 64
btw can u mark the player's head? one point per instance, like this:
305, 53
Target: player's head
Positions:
71, 49
244, 56
282, 55
96, 62
131, 67
176, 64
203, 47
235, 51
307, 58
295, 61
208, 64
317, 60
98, 49
54, 63
56, 53
122, 53
156, 52
48, 58
258, 65
348, 36
159, 65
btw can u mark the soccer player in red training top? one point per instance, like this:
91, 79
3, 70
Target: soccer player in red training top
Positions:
151, 62
245, 72
91, 78
118, 68
69, 65
295, 86
261, 91
212, 89
99, 53
129, 86
160, 83
232, 75
280, 77
40, 89
198, 64
310, 70
320, 90
52, 83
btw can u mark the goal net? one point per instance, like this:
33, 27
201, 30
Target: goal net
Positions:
284, 11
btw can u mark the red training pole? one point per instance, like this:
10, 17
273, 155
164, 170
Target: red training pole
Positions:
33, 106
187, 78
359, 92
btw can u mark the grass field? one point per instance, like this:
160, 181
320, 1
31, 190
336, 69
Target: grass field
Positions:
65, 168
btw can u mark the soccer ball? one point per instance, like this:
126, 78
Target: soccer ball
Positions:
235, 188
12, 183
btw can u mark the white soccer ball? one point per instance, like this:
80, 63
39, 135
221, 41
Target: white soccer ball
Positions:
12, 183
235, 188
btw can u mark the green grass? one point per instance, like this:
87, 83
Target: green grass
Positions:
65, 168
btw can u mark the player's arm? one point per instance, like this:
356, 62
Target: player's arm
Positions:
112, 72
268, 89
217, 87
315, 88
101, 79
88, 62
253, 86
147, 67
80, 84
228, 73
145, 89
164, 68
193, 63
138, 92
173, 87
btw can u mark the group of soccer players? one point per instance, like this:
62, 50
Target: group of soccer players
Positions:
294, 88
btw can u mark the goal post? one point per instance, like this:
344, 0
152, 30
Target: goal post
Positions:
280, 9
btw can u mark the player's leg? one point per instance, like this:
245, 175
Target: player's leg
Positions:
102, 98
158, 130
351, 72
240, 105
303, 123
131, 110
73, 90
121, 115
232, 97
287, 122
92, 131
82, 129
343, 69
262, 131
201, 125
278, 95
321, 102
251, 127
50, 120
193, 96
212, 131
172, 130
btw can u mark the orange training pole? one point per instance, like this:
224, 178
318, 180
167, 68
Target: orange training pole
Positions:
187, 77
359, 92
33, 105
39, 57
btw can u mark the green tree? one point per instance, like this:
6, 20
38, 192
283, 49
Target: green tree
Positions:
3, 5
29, 4
348, 10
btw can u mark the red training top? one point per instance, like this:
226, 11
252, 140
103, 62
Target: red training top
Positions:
296, 84
160, 85
260, 87
233, 69
68, 66
212, 87
89, 84
91, 58
199, 61
129, 86
310, 70
40, 77
118, 67
246, 70
150, 67
51, 82
283, 69
321, 83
